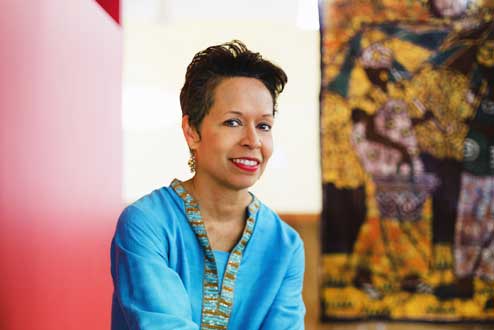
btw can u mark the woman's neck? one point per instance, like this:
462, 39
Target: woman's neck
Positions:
218, 203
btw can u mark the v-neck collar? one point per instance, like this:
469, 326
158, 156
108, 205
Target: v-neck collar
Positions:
216, 305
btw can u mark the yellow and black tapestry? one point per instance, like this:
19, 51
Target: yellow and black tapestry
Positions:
407, 151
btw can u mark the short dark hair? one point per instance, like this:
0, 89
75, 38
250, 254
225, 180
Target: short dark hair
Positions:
210, 66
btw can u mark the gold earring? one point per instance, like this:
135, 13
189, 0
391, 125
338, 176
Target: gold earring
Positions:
192, 162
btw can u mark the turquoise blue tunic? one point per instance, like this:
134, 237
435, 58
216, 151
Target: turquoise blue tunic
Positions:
166, 276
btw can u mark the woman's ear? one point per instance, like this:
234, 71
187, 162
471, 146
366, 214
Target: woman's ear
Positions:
190, 132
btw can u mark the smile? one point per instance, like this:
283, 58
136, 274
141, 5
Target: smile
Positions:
247, 164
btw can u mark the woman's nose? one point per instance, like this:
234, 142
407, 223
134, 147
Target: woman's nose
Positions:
251, 138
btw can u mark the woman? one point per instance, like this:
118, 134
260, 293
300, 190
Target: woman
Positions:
206, 253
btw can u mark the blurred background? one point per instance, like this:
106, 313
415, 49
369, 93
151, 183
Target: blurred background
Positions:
90, 121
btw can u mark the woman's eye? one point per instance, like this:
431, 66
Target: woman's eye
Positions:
232, 122
264, 127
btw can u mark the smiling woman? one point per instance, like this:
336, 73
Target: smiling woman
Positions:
235, 142
206, 253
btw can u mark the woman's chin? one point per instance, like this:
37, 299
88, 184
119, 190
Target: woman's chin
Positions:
242, 184
236, 182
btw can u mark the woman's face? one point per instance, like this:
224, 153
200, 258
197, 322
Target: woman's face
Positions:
235, 141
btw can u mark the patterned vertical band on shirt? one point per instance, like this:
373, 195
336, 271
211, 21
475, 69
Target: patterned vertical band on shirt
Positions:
216, 304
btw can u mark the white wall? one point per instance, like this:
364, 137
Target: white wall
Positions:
158, 48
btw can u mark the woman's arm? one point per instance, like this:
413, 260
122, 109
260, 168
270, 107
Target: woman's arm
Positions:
148, 294
288, 309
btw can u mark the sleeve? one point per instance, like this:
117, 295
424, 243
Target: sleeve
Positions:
288, 310
148, 294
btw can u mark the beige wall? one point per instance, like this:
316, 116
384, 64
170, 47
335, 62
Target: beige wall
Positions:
155, 60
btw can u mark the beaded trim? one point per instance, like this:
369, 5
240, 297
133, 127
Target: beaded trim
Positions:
216, 305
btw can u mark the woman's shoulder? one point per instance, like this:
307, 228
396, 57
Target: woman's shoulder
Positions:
271, 226
158, 208
161, 199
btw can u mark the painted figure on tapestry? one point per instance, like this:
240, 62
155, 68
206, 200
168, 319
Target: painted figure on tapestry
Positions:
474, 248
387, 148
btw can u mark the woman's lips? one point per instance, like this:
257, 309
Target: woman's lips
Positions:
246, 164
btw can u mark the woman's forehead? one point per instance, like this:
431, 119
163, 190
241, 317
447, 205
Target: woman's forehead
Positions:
242, 94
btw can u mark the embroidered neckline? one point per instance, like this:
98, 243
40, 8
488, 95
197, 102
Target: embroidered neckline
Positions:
216, 305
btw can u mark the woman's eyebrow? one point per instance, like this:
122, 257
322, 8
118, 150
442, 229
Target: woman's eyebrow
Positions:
238, 113
234, 113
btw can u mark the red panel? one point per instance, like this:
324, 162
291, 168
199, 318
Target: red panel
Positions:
60, 163
112, 7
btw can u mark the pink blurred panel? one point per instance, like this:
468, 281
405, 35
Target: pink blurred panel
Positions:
60, 162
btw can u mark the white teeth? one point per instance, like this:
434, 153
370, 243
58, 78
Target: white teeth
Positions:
245, 162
